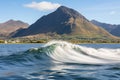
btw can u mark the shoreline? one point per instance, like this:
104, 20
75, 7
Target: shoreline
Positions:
74, 41
69, 42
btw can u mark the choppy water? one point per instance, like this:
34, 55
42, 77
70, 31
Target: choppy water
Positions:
59, 60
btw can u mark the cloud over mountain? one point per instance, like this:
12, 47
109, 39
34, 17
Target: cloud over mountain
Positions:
43, 6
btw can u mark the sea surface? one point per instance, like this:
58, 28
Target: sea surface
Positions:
59, 60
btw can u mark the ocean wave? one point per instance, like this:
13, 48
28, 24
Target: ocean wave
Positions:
65, 52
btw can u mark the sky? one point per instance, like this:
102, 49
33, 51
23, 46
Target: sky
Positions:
29, 11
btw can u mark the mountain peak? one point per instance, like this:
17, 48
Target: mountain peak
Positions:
9, 21
69, 11
63, 7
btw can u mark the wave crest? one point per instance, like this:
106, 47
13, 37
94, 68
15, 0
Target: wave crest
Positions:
70, 53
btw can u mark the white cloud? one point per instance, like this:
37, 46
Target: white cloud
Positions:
43, 6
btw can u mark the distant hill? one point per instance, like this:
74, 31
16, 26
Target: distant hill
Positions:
106, 26
116, 31
112, 28
10, 26
64, 21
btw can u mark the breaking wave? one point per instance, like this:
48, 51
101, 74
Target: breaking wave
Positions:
65, 52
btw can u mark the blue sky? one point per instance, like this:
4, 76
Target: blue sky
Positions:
29, 11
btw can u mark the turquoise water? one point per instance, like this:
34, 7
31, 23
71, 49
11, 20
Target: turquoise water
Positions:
59, 60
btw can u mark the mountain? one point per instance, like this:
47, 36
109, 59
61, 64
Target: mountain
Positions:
108, 27
112, 28
116, 31
64, 21
10, 26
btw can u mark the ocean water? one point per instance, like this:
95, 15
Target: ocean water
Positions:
59, 60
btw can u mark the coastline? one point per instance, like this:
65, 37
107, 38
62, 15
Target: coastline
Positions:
63, 40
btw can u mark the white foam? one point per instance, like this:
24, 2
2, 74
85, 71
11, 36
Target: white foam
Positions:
66, 52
